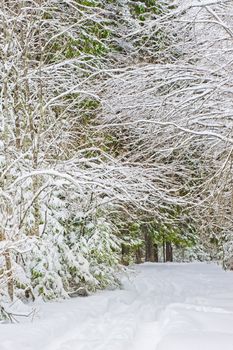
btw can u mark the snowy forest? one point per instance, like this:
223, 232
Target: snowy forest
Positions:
116, 144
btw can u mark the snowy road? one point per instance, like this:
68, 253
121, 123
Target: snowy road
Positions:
162, 307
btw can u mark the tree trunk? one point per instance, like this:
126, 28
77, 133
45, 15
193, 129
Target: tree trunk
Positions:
9, 273
10, 280
164, 255
148, 247
124, 254
138, 256
156, 253
151, 249
169, 255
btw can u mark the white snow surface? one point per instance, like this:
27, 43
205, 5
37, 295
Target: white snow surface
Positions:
160, 307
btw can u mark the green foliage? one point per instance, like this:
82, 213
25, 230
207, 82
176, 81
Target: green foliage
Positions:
131, 241
145, 8
92, 40
179, 228
90, 3
36, 274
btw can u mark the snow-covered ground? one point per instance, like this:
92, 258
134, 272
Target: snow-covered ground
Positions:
162, 307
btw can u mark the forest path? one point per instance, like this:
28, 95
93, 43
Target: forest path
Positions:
161, 307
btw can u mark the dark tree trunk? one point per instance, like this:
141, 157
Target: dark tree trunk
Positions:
169, 255
148, 246
138, 256
156, 253
124, 254
151, 249
164, 255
